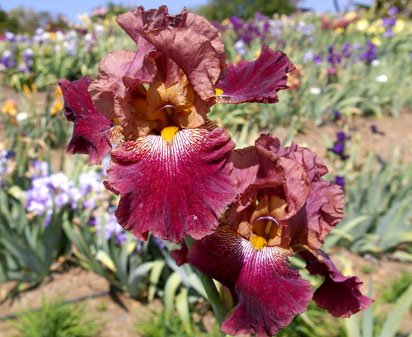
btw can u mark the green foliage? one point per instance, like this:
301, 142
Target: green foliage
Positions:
392, 291
27, 247
56, 319
218, 10
7, 23
371, 324
161, 326
378, 216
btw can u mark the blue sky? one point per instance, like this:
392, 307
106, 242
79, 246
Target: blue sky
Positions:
72, 8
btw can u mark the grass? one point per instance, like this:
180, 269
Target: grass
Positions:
396, 288
159, 326
57, 319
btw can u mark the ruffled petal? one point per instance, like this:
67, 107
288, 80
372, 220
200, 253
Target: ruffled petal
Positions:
172, 189
322, 212
314, 166
256, 81
269, 293
188, 39
340, 295
91, 128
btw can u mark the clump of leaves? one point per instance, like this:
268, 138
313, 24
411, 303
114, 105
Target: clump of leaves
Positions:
397, 286
57, 319
162, 326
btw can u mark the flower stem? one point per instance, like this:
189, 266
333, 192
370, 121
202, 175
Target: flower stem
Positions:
212, 293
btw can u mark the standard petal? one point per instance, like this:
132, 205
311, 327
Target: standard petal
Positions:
91, 129
189, 40
175, 188
269, 293
338, 294
256, 81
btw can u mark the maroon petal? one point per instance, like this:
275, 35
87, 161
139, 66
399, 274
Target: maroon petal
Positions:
340, 295
91, 128
172, 189
269, 293
256, 81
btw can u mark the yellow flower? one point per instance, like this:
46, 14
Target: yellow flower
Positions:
58, 92
376, 41
339, 31
362, 25
28, 90
9, 108
350, 15
399, 26
57, 106
52, 36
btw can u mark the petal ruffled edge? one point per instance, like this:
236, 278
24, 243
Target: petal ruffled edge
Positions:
340, 295
255, 81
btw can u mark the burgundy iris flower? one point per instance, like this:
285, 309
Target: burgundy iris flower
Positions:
149, 110
284, 207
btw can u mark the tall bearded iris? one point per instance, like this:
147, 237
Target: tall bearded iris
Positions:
169, 165
283, 207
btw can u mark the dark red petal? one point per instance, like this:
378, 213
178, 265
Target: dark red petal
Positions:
269, 293
340, 295
180, 255
256, 81
91, 128
172, 189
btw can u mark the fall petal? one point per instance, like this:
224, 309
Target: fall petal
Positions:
256, 81
91, 128
172, 189
340, 295
269, 293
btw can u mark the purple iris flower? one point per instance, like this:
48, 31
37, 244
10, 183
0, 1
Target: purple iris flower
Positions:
10, 37
337, 115
347, 50
340, 181
393, 11
339, 145
370, 53
333, 57
28, 57
7, 59
317, 59
388, 22
236, 22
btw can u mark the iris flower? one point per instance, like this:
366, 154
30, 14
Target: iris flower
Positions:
283, 208
169, 162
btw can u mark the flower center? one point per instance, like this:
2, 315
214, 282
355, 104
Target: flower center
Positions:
266, 229
168, 133
258, 242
